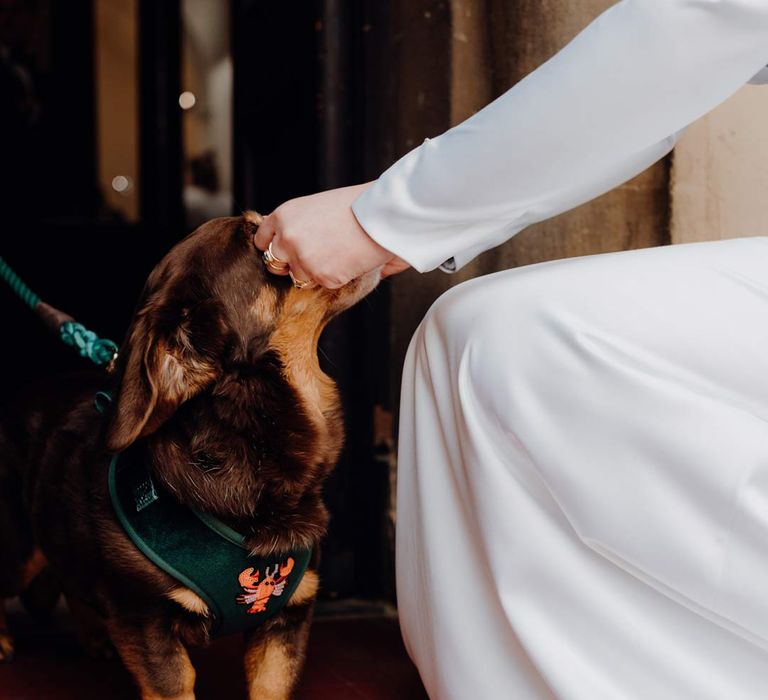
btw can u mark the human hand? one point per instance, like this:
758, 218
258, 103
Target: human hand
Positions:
321, 240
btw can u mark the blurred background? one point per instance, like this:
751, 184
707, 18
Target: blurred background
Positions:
124, 124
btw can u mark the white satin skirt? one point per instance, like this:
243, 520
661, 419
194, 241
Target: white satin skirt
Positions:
583, 480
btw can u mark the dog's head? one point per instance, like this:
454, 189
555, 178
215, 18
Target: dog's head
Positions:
211, 305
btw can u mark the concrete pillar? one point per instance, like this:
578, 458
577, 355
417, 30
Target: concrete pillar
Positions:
719, 181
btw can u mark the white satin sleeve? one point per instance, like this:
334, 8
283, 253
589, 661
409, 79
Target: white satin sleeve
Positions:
600, 111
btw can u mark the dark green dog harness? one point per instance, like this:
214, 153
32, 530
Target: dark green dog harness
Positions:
201, 552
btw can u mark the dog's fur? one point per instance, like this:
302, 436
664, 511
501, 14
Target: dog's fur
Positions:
218, 382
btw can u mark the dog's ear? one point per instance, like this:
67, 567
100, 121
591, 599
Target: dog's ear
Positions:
156, 374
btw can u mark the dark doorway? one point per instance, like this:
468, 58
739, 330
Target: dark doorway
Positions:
120, 125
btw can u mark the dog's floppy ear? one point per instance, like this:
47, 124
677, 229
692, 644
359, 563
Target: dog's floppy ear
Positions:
156, 375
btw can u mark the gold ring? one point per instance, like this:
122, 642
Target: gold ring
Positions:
269, 261
274, 257
299, 284
272, 261
277, 269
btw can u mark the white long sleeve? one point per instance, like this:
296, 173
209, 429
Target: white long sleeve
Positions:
600, 111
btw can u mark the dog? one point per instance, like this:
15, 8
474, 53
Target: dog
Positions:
218, 384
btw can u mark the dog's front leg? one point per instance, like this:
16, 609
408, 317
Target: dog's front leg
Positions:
274, 654
6, 641
155, 657
90, 629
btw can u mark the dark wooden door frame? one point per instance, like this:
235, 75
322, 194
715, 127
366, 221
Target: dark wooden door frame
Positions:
160, 147
300, 106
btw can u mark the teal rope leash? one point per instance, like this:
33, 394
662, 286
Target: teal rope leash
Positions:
101, 351
14, 282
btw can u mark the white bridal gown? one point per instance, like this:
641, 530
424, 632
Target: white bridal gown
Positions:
583, 461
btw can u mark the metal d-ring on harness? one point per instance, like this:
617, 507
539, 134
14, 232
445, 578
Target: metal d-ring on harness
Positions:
101, 351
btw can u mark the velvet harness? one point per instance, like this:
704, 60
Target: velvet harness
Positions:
201, 552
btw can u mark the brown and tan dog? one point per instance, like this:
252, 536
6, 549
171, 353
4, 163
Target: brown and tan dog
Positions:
218, 380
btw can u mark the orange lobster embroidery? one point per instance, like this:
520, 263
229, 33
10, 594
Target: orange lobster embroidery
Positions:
258, 594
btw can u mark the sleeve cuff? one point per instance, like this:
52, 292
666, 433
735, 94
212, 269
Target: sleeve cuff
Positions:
449, 266
388, 214
761, 78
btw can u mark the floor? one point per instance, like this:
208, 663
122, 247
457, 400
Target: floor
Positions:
348, 659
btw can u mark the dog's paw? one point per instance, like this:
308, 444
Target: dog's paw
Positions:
6, 647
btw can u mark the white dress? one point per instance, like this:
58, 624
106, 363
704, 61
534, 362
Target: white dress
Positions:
583, 458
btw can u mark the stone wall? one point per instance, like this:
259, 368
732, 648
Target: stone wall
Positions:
446, 61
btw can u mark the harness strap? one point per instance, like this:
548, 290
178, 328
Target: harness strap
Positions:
200, 551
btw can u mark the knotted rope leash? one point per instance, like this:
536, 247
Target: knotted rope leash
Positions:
101, 351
